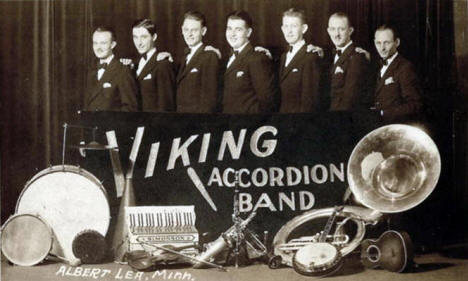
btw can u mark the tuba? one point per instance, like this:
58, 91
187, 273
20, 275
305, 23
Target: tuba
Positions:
392, 169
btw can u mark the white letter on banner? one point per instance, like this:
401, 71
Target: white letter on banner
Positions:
153, 157
245, 202
268, 145
276, 176
241, 183
235, 149
225, 177
215, 177
204, 148
265, 202
289, 176
289, 201
263, 174
302, 200
313, 173
177, 151
335, 172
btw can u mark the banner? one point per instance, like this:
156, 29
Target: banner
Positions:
287, 163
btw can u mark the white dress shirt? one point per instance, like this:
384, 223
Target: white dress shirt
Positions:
295, 49
143, 61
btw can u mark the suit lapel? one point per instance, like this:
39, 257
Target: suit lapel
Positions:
238, 60
181, 74
107, 76
149, 66
295, 60
282, 62
388, 73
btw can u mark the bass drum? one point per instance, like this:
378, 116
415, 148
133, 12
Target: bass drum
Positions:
26, 240
70, 199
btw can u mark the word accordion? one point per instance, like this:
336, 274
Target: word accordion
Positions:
162, 226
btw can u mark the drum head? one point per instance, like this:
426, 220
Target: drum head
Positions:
317, 259
70, 200
26, 240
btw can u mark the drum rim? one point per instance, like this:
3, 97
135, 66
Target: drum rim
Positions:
49, 229
62, 168
317, 270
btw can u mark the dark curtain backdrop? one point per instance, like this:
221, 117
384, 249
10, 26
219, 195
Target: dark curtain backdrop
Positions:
46, 50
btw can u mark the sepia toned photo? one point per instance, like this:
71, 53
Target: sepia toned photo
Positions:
234, 140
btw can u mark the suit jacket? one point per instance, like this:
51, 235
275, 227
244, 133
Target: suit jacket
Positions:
115, 91
349, 81
197, 83
156, 84
300, 82
249, 84
398, 92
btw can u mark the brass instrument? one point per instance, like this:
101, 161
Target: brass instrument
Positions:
392, 169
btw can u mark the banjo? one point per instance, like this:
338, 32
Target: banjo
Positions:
319, 258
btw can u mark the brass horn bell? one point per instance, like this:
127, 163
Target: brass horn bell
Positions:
394, 168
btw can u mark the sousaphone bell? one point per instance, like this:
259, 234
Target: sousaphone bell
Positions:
394, 168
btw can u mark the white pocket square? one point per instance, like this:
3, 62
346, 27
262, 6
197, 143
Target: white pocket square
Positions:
106, 85
147, 77
239, 74
295, 70
194, 70
339, 70
389, 80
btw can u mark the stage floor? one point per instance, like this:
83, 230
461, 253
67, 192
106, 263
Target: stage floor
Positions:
430, 267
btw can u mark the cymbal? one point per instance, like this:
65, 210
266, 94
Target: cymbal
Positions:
93, 145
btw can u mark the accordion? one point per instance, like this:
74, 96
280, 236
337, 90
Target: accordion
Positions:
162, 226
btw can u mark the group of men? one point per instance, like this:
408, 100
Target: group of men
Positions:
246, 81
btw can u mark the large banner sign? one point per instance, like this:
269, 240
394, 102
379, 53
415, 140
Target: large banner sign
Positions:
286, 164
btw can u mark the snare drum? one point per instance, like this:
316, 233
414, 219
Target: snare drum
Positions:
26, 239
70, 200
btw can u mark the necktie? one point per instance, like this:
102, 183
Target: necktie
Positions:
290, 49
144, 56
102, 65
186, 51
338, 52
384, 62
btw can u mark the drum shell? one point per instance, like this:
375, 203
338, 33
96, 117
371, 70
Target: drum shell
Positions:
70, 199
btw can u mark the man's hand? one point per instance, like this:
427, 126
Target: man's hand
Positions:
127, 62
362, 51
213, 49
263, 50
164, 55
315, 49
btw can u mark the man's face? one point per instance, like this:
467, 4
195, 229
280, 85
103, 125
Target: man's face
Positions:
385, 43
143, 40
237, 33
339, 31
193, 31
293, 29
103, 44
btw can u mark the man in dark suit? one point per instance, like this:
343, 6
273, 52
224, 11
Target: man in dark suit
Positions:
349, 70
398, 93
197, 78
249, 79
299, 73
155, 78
111, 85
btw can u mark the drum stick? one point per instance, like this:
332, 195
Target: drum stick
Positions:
116, 165
198, 184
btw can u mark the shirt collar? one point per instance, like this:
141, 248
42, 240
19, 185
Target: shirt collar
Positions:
195, 48
392, 58
298, 45
342, 49
107, 60
242, 47
150, 53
